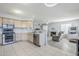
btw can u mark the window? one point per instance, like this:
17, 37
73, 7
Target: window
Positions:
65, 28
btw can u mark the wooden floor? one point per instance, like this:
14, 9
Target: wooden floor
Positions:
26, 48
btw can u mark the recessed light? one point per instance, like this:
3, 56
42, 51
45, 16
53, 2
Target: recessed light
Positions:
50, 4
17, 11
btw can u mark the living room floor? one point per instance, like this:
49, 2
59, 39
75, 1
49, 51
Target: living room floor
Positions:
64, 45
26, 48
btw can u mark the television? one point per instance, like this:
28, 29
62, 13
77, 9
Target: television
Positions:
73, 28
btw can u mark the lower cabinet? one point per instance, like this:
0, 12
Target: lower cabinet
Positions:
0, 38
24, 36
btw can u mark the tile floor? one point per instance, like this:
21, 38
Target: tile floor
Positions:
64, 45
26, 48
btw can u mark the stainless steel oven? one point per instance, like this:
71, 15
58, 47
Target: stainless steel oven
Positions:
8, 34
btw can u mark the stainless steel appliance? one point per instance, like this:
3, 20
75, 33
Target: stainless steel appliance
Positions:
8, 34
40, 38
36, 39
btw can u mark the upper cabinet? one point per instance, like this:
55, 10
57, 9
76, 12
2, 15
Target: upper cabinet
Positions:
23, 24
8, 21
26, 24
0, 21
29, 24
18, 23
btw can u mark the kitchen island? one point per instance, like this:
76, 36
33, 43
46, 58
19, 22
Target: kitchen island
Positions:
40, 38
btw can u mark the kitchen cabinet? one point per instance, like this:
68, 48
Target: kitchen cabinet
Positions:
29, 23
26, 24
8, 21
17, 23
22, 24
0, 30
0, 21
24, 36
0, 38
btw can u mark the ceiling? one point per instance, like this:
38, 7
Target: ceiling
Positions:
40, 12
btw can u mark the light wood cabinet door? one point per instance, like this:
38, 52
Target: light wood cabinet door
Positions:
29, 24
18, 23
8, 21
26, 24
0, 21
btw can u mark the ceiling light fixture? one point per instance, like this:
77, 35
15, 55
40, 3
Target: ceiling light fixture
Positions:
50, 4
17, 11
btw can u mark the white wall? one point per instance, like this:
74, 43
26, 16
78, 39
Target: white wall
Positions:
57, 25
